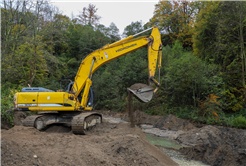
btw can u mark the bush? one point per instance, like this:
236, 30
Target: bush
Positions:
239, 122
7, 103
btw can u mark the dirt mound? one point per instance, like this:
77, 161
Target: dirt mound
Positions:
5, 125
138, 86
215, 145
139, 117
13, 154
170, 122
106, 144
57, 129
18, 117
206, 135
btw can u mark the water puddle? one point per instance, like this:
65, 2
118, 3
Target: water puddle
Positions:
174, 155
164, 142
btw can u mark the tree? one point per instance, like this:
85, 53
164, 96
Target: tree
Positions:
218, 38
133, 28
175, 18
113, 33
187, 78
233, 28
20, 18
89, 16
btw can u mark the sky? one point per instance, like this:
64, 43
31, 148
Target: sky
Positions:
120, 12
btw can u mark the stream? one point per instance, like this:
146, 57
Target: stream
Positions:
163, 140
164, 144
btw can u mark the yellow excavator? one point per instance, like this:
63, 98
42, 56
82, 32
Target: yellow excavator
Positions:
73, 107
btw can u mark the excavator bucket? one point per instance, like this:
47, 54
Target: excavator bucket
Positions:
142, 92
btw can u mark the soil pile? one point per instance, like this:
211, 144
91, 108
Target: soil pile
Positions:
106, 144
170, 122
18, 117
138, 86
215, 145
139, 117
5, 125
13, 153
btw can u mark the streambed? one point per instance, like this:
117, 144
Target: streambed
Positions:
165, 144
164, 140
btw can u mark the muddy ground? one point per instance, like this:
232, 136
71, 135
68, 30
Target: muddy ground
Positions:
213, 145
106, 144
119, 144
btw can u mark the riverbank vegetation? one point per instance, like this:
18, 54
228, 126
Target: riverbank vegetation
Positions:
203, 69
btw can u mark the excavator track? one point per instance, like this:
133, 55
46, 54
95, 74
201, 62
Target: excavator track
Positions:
30, 120
80, 123
84, 121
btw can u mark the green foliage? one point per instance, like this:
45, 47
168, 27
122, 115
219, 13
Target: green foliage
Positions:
203, 85
176, 19
133, 28
218, 36
7, 102
239, 122
187, 78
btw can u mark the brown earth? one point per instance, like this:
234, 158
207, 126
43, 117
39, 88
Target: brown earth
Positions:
171, 122
18, 117
215, 145
118, 144
168, 122
138, 86
106, 144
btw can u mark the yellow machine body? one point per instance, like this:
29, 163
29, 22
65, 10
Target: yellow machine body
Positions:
68, 101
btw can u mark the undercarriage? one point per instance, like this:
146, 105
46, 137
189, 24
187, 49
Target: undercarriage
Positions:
80, 122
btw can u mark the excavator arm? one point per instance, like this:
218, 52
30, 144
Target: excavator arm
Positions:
110, 52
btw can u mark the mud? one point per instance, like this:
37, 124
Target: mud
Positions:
119, 144
5, 125
138, 86
18, 117
170, 122
215, 145
57, 129
106, 144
